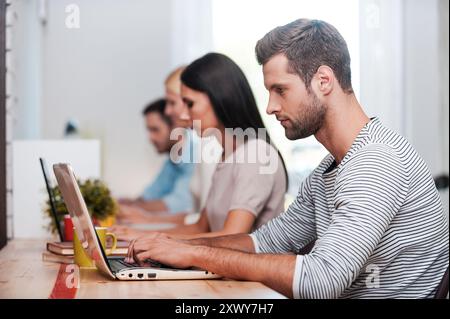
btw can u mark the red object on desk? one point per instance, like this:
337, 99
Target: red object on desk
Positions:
67, 282
68, 228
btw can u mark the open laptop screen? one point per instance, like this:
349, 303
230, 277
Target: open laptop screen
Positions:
80, 216
51, 198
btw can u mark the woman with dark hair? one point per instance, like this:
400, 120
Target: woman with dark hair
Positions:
250, 180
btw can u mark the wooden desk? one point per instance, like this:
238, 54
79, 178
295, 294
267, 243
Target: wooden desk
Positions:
23, 274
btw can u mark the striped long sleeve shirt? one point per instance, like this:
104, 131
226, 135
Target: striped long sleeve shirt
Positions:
377, 221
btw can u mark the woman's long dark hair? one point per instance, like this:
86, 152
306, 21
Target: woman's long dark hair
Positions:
229, 92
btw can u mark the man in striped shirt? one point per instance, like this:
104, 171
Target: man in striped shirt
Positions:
371, 207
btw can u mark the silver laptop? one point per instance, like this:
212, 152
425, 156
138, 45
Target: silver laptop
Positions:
114, 267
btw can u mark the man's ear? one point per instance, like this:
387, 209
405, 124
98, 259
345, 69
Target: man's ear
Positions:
324, 80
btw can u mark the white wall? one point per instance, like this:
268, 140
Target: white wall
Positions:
381, 56
423, 96
24, 82
444, 77
102, 75
191, 30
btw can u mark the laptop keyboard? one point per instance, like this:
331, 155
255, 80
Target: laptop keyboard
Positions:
118, 264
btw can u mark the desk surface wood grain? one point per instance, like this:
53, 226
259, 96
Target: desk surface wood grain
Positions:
23, 274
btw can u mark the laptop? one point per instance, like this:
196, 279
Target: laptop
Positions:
49, 186
113, 267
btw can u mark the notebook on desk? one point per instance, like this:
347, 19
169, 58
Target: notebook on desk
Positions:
54, 258
66, 248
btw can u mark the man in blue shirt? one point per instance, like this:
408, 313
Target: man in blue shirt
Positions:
169, 192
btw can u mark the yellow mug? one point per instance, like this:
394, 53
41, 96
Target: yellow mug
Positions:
80, 256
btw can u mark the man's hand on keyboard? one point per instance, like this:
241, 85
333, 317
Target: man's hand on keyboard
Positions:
161, 248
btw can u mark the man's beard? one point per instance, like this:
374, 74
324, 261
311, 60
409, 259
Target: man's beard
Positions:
308, 121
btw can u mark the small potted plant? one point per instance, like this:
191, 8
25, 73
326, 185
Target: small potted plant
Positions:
101, 205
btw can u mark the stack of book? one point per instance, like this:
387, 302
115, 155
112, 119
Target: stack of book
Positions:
62, 252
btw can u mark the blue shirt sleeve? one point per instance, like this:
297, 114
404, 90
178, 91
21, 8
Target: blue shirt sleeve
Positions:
172, 187
163, 184
173, 181
180, 198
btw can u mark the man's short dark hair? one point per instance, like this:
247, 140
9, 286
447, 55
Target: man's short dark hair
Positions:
308, 44
159, 107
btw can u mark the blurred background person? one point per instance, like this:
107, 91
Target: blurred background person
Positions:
194, 174
203, 171
169, 192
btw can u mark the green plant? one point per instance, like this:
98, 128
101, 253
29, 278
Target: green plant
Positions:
97, 197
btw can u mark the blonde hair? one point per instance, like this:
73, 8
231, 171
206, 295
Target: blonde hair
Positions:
173, 80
